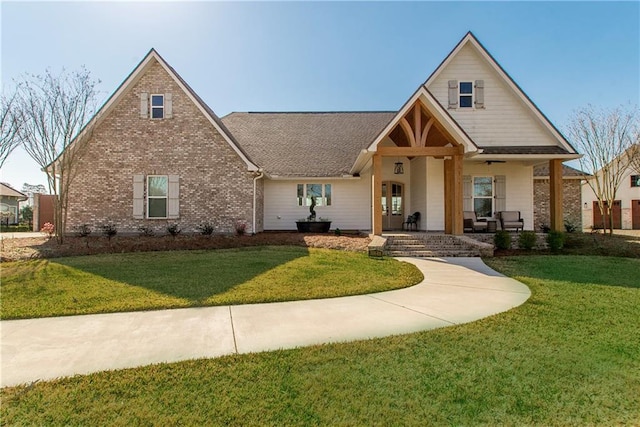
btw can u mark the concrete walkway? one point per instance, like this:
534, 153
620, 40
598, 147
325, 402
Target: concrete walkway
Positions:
455, 290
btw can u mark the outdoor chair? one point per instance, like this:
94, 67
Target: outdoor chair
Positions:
412, 221
471, 222
511, 219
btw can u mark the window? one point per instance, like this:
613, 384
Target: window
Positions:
157, 106
157, 192
320, 192
635, 180
466, 94
483, 196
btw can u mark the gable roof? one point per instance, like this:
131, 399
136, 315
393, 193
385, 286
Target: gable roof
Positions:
439, 113
151, 57
306, 144
7, 191
471, 40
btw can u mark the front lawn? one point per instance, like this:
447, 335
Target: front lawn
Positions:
156, 280
568, 356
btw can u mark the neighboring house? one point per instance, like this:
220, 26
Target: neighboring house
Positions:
571, 196
467, 139
9, 204
626, 206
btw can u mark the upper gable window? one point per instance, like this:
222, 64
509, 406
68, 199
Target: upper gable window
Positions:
635, 180
466, 94
157, 106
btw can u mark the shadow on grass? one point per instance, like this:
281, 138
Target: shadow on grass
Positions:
191, 275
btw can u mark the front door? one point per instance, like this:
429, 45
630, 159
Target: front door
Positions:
392, 205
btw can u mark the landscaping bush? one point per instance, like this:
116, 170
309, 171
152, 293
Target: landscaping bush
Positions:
14, 228
146, 231
527, 240
48, 229
502, 239
206, 229
109, 230
555, 240
174, 229
570, 227
83, 230
241, 228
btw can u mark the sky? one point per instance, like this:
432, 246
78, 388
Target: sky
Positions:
326, 56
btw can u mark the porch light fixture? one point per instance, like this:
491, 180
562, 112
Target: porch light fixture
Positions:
398, 168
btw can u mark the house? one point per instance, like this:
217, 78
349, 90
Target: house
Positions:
571, 196
626, 206
9, 204
467, 139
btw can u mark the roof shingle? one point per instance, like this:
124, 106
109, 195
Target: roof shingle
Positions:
318, 144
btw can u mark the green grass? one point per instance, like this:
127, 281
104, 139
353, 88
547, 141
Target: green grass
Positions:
569, 356
155, 280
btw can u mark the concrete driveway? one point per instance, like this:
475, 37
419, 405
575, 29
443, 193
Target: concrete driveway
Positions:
454, 291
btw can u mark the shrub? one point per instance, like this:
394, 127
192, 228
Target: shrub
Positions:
555, 240
545, 228
145, 231
206, 229
14, 228
83, 230
502, 239
570, 227
241, 228
527, 240
109, 230
174, 229
48, 229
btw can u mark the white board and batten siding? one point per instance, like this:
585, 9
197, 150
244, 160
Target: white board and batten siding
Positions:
350, 205
504, 119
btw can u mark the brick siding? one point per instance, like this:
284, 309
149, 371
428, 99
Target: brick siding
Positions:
571, 204
215, 185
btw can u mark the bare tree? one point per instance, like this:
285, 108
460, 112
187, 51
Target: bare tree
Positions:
634, 154
53, 110
9, 126
606, 139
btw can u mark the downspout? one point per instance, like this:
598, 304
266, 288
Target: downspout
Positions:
255, 179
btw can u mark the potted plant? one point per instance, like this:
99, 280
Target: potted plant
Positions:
311, 224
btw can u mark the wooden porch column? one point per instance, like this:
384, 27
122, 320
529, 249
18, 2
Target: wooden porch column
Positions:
453, 220
448, 189
456, 203
555, 194
377, 194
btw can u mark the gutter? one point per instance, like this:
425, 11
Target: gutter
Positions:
259, 175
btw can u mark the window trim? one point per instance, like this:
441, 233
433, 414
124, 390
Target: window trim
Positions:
635, 183
154, 107
492, 197
304, 200
148, 197
471, 94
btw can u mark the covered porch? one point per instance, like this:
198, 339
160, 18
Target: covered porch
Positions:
423, 162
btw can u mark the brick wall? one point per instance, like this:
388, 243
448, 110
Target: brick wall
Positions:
571, 205
215, 184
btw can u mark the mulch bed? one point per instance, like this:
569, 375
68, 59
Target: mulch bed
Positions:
42, 247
